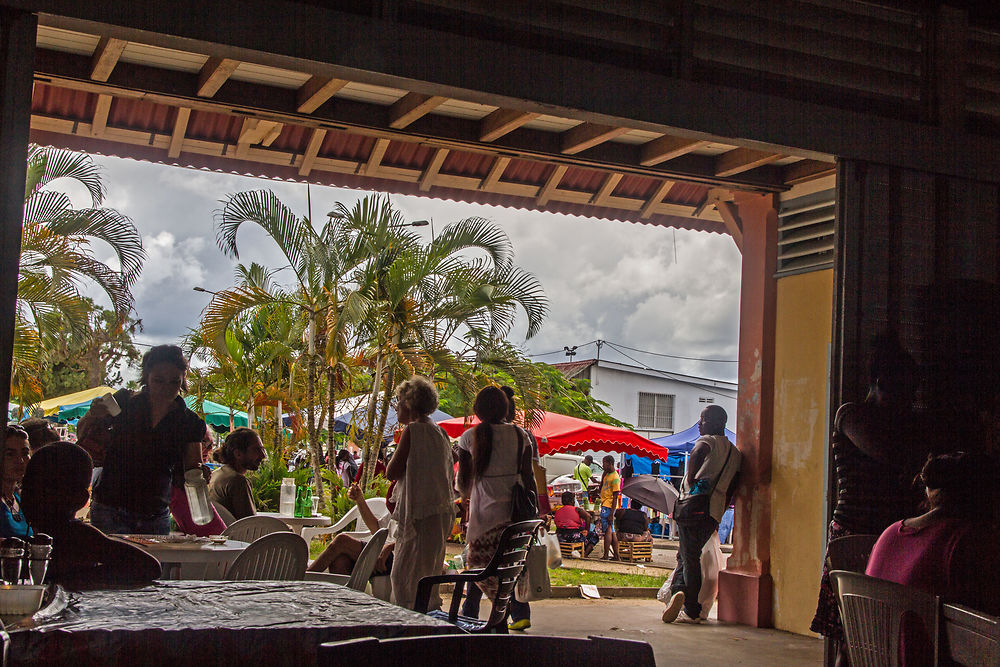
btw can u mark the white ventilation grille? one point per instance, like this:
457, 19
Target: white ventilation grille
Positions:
805, 233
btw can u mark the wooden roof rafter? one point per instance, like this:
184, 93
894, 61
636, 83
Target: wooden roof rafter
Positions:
589, 164
179, 89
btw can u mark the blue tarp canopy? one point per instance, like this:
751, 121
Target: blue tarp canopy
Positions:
359, 419
676, 446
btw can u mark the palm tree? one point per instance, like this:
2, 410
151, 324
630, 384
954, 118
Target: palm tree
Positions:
409, 299
56, 259
319, 261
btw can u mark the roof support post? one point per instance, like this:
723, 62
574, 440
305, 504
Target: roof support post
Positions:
17, 62
745, 586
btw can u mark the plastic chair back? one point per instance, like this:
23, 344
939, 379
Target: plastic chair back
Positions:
488, 651
873, 612
353, 516
280, 556
850, 553
365, 565
506, 565
971, 637
224, 514
252, 528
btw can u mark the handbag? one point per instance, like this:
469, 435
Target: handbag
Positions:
533, 584
523, 501
698, 506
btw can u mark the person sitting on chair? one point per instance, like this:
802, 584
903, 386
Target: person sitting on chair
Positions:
344, 550
632, 524
573, 524
54, 489
241, 451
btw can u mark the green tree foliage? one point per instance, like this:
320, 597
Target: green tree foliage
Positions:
555, 393
57, 258
92, 356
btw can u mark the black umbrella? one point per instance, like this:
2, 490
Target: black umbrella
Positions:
652, 492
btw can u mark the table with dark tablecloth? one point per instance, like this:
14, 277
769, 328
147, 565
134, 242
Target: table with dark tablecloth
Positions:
181, 623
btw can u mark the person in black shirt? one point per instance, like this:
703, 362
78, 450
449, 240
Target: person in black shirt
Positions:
154, 434
632, 524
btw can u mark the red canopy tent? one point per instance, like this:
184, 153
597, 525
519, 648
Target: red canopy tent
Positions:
559, 433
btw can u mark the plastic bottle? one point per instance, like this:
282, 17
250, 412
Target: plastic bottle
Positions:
197, 496
286, 502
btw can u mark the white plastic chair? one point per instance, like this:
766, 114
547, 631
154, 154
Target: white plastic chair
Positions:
363, 566
252, 528
224, 514
376, 505
275, 557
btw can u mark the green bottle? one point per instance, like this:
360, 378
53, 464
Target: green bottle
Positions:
307, 501
298, 500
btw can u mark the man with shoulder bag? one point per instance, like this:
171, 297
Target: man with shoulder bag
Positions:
706, 490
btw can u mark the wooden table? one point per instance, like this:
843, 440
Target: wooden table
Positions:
188, 557
175, 623
297, 523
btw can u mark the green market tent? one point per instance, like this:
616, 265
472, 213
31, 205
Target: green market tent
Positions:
216, 414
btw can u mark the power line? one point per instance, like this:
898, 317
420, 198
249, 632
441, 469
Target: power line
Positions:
673, 356
665, 374
633, 349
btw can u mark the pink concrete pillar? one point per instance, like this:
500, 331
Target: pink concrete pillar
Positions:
745, 586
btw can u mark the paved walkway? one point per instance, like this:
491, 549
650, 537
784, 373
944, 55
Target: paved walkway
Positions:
711, 644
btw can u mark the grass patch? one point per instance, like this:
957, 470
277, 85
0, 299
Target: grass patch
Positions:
569, 576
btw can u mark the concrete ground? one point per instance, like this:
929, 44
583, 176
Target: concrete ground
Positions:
710, 644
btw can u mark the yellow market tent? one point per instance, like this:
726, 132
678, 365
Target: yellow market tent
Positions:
51, 406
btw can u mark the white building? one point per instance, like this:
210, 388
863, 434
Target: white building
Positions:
655, 402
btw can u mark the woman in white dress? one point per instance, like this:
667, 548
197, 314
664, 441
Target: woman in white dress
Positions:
423, 468
490, 458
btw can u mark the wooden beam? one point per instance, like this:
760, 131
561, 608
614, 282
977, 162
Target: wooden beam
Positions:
106, 56
316, 91
412, 106
731, 218
807, 170
739, 160
374, 161
180, 129
173, 88
101, 112
667, 148
256, 131
496, 171
588, 135
503, 121
433, 167
611, 181
706, 203
312, 150
654, 199
546, 191
213, 74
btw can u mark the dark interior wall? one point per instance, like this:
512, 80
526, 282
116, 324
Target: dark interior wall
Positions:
918, 254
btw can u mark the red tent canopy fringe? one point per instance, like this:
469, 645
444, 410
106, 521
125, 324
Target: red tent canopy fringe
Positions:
560, 433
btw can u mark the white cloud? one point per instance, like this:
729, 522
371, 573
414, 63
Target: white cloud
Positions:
610, 280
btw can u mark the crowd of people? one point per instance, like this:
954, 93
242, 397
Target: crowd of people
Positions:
144, 443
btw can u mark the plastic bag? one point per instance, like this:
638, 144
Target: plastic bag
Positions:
712, 561
552, 549
533, 584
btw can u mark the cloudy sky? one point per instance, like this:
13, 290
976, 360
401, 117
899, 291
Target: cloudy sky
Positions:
613, 281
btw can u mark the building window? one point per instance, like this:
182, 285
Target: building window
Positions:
656, 411
706, 399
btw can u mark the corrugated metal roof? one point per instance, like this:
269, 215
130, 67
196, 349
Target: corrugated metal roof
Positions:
152, 119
